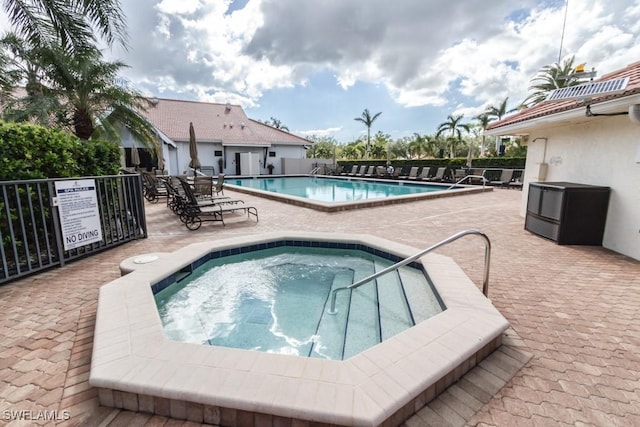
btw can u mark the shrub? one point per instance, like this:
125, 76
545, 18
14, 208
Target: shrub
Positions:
29, 151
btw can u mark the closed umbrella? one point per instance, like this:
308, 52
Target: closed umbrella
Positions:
159, 156
135, 156
193, 150
470, 156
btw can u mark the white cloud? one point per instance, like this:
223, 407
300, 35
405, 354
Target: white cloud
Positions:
470, 52
319, 132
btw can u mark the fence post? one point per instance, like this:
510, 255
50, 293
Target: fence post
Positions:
56, 221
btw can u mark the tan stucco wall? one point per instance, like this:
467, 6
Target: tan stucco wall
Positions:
601, 151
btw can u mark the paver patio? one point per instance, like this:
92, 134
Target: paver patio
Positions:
573, 311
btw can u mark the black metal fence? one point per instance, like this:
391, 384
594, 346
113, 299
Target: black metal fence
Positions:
30, 223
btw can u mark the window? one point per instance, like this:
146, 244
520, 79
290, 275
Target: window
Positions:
218, 153
272, 153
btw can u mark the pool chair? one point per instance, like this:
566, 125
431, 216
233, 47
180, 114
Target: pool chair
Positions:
361, 171
195, 213
219, 187
413, 173
354, 169
425, 174
371, 171
505, 178
439, 176
153, 188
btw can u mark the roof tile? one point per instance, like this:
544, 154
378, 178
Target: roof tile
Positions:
223, 123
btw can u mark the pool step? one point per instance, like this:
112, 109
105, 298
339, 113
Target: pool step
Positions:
393, 308
373, 312
363, 328
421, 299
329, 341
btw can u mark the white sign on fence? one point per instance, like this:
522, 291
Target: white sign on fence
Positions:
79, 214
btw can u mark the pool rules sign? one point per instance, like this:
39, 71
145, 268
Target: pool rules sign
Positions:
79, 214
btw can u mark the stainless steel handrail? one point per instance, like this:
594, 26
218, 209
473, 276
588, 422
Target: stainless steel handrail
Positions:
485, 277
484, 180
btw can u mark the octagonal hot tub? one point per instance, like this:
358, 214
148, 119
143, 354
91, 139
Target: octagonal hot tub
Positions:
136, 366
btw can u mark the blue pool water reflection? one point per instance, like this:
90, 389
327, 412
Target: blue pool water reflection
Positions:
323, 189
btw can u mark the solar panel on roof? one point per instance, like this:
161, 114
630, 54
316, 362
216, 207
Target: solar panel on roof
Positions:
588, 90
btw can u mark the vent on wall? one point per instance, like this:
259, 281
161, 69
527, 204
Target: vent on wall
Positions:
589, 90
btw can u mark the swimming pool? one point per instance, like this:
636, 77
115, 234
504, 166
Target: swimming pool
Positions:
136, 367
276, 300
342, 193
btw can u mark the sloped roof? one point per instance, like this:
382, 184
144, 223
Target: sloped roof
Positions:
548, 108
223, 123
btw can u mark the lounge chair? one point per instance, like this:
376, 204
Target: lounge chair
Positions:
424, 175
177, 199
370, 171
153, 188
194, 213
439, 176
361, 171
354, 169
505, 178
517, 180
459, 174
405, 175
413, 173
219, 187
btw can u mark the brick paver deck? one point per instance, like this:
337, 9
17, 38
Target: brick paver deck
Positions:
573, 354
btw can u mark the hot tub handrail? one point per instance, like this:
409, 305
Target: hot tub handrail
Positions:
485, 277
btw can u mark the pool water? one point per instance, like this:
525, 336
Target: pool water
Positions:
276, 300
323, 189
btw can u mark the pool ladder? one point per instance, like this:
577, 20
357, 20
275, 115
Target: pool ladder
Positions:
466, 177
452, 238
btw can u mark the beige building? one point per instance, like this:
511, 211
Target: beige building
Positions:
225, 136
592, 140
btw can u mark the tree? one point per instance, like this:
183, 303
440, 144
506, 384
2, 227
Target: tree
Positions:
354, 150
483, 122
79, 92
551, 77
368, 120
455, 126
69, 22
497, 113
324, 147
277, 124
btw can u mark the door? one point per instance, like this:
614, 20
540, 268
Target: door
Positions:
238, 164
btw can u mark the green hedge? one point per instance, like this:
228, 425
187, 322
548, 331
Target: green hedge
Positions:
29, 151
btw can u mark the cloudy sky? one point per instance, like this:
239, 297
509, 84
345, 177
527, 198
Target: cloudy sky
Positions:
316, 65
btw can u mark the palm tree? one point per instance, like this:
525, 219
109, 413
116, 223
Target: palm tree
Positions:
497, 113
551, 77
368, 120
70, 22
483, 121
80, 92
454, 125
277, 124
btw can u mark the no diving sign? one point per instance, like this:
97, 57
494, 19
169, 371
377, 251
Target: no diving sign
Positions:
79, 214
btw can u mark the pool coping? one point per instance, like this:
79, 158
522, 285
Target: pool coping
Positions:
133, 362
343, 206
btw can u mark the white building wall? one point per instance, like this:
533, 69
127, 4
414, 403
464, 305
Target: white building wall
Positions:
602, 151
